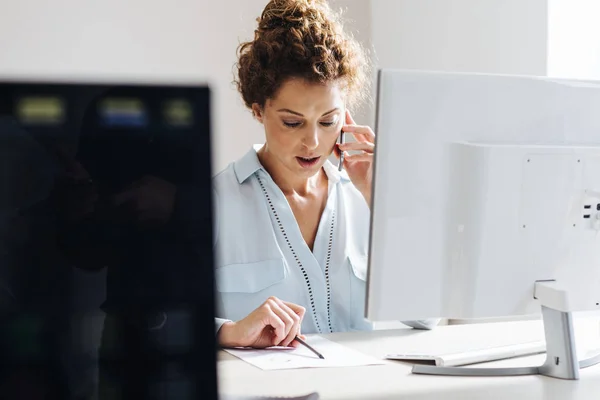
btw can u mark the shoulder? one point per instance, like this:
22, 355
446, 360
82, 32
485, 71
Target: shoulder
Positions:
237, 175
232, 193
225, 179
227, 184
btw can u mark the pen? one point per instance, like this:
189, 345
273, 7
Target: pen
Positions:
341, 152
302, 342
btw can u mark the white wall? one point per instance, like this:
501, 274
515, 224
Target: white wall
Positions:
574, 39
196, 40
137, 39
507, 36
357, 22
495, 36
192, 40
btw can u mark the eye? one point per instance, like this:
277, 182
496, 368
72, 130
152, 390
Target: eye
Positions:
291, 124
329, 123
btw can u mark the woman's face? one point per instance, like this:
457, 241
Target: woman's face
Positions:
302, 124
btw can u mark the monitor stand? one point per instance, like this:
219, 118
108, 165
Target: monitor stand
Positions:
561, 355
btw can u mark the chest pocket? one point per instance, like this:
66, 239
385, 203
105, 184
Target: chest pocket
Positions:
241, 288
250, 277
358, 287
358, 266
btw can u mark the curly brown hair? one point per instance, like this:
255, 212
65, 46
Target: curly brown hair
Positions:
299, 39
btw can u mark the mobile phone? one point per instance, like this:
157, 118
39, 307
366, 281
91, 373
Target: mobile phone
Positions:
341, 164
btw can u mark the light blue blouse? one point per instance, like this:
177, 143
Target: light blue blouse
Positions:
260, 251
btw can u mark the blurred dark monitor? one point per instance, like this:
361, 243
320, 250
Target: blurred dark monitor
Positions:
106, 242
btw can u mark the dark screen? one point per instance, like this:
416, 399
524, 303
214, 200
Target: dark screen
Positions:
106, 263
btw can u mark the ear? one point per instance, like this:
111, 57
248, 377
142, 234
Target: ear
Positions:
258, 112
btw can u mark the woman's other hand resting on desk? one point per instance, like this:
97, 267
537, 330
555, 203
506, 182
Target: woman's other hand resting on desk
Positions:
274, 323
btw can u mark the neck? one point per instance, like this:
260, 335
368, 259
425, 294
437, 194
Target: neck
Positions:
287, 181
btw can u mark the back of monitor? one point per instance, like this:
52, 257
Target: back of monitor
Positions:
481, 188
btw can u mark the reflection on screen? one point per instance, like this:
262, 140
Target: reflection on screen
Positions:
178, 113
105, 242
119, 112
39, 110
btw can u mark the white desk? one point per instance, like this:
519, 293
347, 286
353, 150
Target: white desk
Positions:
395, 381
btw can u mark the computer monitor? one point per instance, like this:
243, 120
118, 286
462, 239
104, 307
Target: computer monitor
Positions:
486, 203
106, 262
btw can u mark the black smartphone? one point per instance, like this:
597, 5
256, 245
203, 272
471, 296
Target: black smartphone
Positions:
341, 164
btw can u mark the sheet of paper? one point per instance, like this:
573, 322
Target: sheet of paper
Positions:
312, 396
336, 355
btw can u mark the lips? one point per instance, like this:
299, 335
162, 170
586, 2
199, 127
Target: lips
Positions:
308, 162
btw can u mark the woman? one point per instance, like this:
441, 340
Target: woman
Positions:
292, 231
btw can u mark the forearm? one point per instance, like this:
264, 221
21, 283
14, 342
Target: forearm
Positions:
367, 197
226, 333
366, 194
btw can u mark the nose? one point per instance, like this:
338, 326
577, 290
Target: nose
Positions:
311, 138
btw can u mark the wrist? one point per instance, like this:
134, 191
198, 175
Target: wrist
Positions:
368, 199
366, 193
227, 335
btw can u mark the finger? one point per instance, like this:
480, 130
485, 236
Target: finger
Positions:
275, 322
364, 146
299, 310
297, 344
360, 132
350, 158
290, 328
336, 150
349, 119
287, 319
351, 127
296, 323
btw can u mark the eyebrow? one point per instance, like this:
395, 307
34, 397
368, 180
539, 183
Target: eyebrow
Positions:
287, 110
